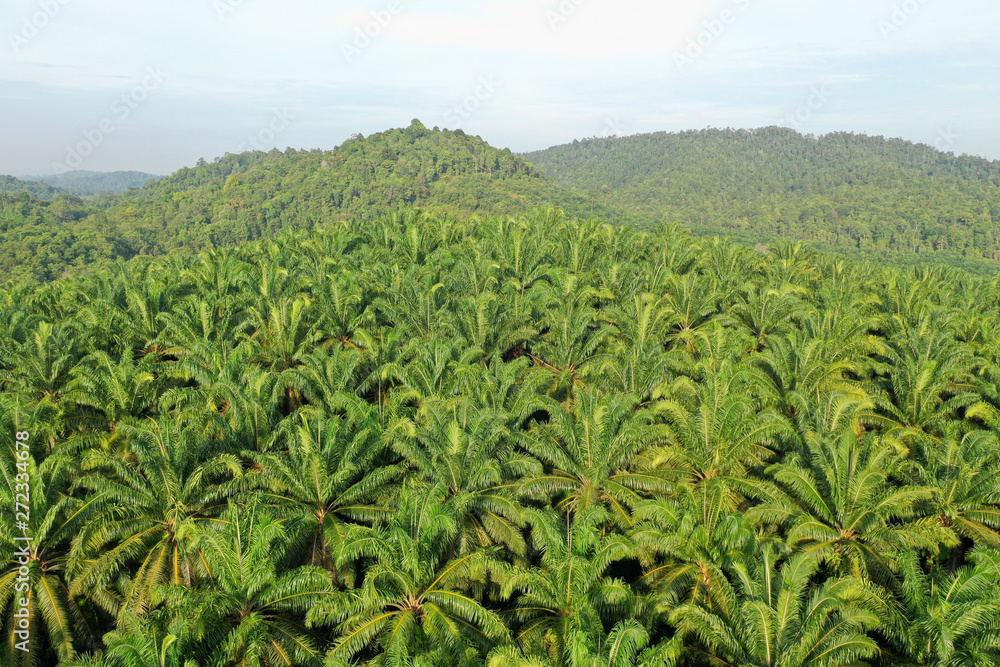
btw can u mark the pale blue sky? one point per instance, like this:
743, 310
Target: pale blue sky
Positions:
154, 84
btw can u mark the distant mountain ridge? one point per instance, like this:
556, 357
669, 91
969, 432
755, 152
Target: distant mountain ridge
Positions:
85, 183
863, 196
11, 185
843, 190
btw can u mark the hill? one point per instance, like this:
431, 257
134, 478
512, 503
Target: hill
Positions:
841, 190
87, 183
881, 199
244, 197
11, 185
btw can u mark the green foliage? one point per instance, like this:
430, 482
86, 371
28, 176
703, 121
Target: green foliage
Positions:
11, 185
887, 198
239, 198
419, 440
89, 183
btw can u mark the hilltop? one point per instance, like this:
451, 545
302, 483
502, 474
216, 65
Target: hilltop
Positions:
247, 196
844, 191
11, 185
865, 197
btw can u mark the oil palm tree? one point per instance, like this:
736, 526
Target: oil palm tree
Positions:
840, 504
149, 507
136, 647
572, 335
41, 365
626, 645
462, 455
694, 301
964, 477
764, 312
718, 433
638, 363
252, 611
330, 474
592, 452
925, 380
776, 617
949, 618
685, 560
59, 624
118, 390
415, 600
561, 605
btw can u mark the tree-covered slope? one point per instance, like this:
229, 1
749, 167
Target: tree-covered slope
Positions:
842, 190
252, 195
239, 197
89, 183
46, 239
867, 196
11, 185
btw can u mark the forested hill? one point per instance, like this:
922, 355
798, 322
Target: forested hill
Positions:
11, 185
90, 183
240, 197
843, 190
866, 196
254, 195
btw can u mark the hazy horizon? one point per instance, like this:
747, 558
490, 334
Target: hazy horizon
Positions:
199, 79
35, 177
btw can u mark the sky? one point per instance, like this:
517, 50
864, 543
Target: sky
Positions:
155, 85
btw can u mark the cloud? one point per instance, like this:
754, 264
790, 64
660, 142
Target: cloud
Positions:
568, 69
578, 28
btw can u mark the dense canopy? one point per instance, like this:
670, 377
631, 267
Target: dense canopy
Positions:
423, 440
857, 194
